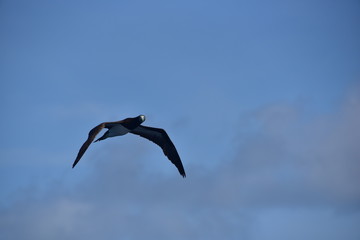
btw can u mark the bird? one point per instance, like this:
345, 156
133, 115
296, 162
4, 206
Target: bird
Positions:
133, 125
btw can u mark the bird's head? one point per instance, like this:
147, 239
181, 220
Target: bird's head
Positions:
142, 118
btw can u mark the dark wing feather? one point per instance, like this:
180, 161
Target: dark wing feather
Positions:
92, 134
160, 137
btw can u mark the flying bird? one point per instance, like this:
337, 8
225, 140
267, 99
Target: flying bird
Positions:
133, 125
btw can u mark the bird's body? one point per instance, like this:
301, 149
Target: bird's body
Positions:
118, 130
133, 125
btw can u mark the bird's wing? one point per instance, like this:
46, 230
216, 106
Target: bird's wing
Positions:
92, 134
160, 137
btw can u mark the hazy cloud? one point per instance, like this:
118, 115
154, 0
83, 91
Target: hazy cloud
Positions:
290, 168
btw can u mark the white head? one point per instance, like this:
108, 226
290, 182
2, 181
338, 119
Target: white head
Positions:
142, 118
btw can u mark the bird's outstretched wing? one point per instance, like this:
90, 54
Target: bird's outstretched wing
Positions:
160, 137
92, 134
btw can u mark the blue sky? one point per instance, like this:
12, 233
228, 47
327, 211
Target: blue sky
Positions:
261, 99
